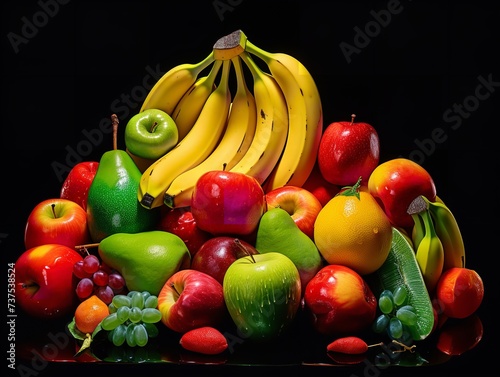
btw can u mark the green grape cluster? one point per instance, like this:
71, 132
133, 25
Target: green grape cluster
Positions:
397, 317
132, 319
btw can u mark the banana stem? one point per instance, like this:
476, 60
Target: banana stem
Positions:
198, 67
257, 51
254, 69
420, 206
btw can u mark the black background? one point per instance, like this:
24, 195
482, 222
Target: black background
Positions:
79, 63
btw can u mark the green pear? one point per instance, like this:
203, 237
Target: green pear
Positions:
146, 259
277, 232
112, 205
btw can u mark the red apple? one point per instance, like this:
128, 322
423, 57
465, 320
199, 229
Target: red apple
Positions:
339, 301
45, 284
395, 184
347, 151
180, 222
191, 299
216, 255
227, 203
320, 187
76, 185
301, 204
60, 221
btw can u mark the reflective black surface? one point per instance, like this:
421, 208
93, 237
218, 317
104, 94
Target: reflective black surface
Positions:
423, 74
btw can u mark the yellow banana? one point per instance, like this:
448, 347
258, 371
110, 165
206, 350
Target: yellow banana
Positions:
271, 125
233, 145
193, 149
190, 105
170, 88
429, 253
249, 118
305, 118
449, 233
418, 231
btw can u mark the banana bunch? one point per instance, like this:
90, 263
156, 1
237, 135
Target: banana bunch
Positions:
437, 239
269, 129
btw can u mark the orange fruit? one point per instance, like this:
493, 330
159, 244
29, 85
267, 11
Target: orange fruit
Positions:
353, 230
89, 313
460, 292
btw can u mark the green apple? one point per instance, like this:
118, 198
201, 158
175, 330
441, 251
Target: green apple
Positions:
262, 294
151, 133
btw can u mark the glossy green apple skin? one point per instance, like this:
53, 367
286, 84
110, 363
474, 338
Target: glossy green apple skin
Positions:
151, 133
262, 295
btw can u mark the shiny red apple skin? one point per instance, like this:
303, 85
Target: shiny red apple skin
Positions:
339, 301
347, 151
66, 224
77, 183
180, 222
320, 187
395, 184
301, 204
216, 255
45, 284
191, 299
227, 203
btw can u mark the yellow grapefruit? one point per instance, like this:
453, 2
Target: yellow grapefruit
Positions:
352, 230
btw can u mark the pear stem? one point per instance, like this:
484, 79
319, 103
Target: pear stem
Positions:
114, 120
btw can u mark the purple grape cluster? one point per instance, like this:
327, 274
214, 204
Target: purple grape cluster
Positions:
98, 279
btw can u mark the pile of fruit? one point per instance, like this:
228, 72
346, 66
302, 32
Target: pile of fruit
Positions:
233, 213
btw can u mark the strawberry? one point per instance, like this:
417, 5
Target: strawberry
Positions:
207, 340
350, 345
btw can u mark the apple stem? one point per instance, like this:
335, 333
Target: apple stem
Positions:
241, 246
114, 120
172, 285
352, 118
153, 127
53, 206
